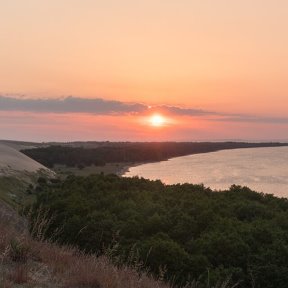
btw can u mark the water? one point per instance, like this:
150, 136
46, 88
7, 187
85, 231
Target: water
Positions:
261, 169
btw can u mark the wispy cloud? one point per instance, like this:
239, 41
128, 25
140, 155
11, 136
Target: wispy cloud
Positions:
252, 119
184, 111
69, 105
98, 106
93, 106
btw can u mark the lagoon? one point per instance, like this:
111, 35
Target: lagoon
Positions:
261, 169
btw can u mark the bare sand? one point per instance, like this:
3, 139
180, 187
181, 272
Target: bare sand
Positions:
12, 162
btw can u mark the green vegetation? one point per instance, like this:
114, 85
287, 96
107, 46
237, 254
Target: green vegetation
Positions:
16, 190
109, 168
180, 232
129, 152
12, 190
27, 262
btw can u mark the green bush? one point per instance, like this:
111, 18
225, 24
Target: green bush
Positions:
184, 230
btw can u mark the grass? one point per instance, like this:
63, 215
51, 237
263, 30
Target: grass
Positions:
11, 189
19, 275
28, 262
108, 168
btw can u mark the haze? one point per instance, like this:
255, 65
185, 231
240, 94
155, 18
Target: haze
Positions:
218, 69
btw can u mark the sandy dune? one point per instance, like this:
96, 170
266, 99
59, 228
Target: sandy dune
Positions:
13, 161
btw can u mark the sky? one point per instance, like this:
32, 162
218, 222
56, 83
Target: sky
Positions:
99, 70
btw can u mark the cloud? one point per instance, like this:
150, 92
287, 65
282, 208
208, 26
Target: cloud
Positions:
69, 105
93, 106
183, 111
252, 119
98, 106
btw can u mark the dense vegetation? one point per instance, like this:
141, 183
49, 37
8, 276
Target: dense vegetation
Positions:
185, 230
129, 152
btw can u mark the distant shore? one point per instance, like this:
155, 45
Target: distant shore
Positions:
118, 158
121, 168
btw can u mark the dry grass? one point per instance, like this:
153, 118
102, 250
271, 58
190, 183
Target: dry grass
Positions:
99, 272
76, 269
4, 283
19, 274
27, 261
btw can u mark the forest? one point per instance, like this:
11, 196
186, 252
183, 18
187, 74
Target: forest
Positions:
180, 232
82, 156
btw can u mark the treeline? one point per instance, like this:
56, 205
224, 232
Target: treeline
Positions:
181, 232
129, 152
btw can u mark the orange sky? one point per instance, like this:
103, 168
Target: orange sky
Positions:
222, 56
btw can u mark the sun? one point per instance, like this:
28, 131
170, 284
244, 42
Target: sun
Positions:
157, 120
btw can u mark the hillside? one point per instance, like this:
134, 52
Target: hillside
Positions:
188, 229
175, 233
19, 145
27, 261
30, 262
12, 162
17, 171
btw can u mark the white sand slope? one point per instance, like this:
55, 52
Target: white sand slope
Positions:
12, 162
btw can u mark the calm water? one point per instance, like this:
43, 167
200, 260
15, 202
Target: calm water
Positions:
261, 169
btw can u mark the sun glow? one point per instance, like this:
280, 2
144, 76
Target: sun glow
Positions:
157, 120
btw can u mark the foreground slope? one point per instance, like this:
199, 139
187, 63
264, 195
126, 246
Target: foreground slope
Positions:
188, 229
29, 262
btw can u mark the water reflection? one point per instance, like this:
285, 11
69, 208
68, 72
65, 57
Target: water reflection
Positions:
261, 169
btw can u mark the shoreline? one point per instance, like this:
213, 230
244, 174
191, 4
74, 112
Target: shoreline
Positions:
125, 166
118, 168
121, 168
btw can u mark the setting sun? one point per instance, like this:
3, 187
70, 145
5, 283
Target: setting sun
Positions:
157, 120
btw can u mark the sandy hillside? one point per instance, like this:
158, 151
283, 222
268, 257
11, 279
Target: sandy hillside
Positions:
13, 161
19, 145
